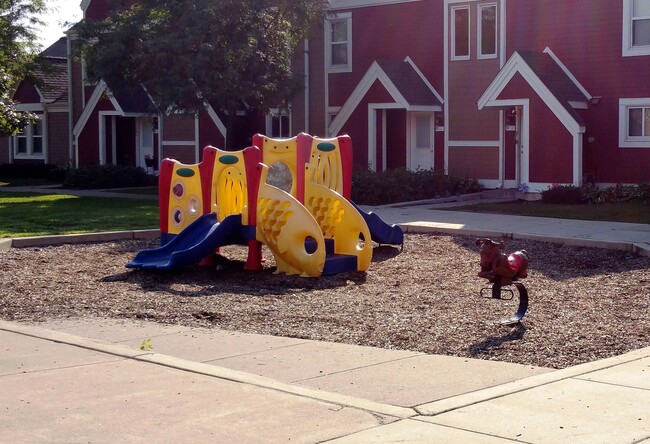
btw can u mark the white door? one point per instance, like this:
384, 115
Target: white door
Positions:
144, 140
523, 154
421, 141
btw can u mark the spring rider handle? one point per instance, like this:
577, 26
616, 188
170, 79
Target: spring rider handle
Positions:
504, 270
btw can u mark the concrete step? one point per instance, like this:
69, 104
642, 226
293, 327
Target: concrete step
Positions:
509, 193
500, 193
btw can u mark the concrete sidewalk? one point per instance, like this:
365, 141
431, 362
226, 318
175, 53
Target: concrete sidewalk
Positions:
88, 380
432, 216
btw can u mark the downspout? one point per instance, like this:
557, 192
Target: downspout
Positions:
306, 113
71, 141
502, 61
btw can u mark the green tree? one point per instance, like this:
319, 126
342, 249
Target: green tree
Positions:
18, 26
189, 52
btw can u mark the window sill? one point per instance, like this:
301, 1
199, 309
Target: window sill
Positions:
634, 144
29, 157
339, 69
637, 51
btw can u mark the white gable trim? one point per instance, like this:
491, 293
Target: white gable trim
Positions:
217, 121
40, 94
90, 106
568, 73
515, 65
424, 79
374, 73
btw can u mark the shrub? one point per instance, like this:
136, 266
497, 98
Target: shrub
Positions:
620, 193
590, 193
106, 176
401, 185
562, 194
22, 171
643, 192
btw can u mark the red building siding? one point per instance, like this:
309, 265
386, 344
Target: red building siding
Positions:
586, 37
393, 32
27, 93
474, 162
467, 82
58, 143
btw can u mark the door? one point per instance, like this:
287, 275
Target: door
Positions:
145, 142
521, 146
421, 141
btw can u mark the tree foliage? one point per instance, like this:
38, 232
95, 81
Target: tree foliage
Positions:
18, 47
188, 52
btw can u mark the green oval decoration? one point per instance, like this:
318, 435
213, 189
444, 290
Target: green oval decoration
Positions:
326, 146
185, 172
228, 159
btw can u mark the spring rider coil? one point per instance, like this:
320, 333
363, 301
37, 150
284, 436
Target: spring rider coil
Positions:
503, 270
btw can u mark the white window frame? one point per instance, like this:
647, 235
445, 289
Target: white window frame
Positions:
479, 36
624, 139
28, 134
629, 50
453, 33
277, 113
343, 67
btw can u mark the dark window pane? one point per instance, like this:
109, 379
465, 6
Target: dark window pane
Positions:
635, 122
284, 128
488, 30
21, 145
461, 32
38, 145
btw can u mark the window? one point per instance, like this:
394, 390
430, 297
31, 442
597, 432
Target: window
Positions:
278, 123
487, 34
29, 142
638, 125
636, 27
460, 33
634, 123
339, 40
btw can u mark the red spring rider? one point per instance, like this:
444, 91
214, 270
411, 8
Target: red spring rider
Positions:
501, 269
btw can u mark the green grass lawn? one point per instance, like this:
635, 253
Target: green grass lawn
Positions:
149, 191
635, 212
34, 214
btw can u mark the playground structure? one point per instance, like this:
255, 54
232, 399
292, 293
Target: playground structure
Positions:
503, 270
312, 229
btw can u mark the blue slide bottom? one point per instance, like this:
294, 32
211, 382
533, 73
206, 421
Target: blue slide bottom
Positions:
198, 240
380, 231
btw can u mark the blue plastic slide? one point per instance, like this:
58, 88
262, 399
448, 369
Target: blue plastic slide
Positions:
198, 240
380, 231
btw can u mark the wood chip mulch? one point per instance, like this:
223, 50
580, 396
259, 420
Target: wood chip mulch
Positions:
585, 304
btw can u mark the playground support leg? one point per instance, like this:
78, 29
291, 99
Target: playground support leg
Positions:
254, 259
